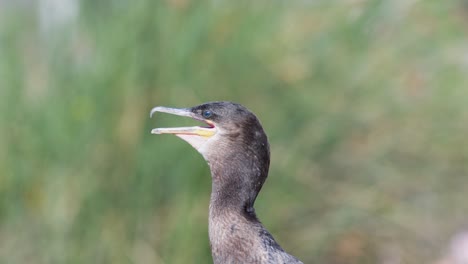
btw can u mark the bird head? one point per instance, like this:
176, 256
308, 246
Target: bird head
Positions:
228, 127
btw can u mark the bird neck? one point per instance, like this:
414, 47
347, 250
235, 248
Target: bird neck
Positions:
233, 225
236, 182
239, 166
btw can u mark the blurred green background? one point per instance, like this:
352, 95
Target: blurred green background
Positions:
365, 103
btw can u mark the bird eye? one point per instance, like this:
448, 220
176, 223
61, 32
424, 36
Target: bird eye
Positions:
207, 113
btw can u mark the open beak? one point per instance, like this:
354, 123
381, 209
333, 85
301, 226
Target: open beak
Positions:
183, 132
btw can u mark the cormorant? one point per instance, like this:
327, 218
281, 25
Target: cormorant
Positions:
238, 154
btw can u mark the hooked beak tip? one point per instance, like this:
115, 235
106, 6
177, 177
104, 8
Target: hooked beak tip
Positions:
155, 109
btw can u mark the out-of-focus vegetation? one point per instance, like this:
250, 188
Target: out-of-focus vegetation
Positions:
365, 103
